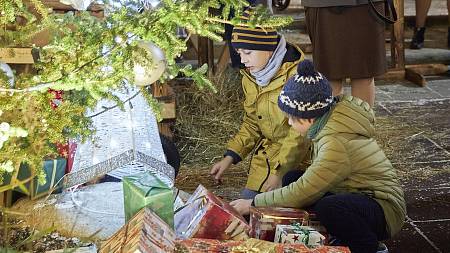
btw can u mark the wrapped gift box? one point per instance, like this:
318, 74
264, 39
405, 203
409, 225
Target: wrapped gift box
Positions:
198, 245
299, 234
181, 197
314, 223
264, 220
147, 190
331, 249
256, 245
54, 170
146, 232
206, 216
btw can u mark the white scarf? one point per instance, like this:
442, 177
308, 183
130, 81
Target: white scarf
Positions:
264, 75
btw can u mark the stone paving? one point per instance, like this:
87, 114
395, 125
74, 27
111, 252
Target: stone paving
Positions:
415, 122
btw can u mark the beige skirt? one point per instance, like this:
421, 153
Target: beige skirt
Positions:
348, 42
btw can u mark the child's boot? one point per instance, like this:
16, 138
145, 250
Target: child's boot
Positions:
418, 38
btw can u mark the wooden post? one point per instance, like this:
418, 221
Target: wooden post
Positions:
397, 38
165, 94
202, 49
211, 65
223, 60
206, 53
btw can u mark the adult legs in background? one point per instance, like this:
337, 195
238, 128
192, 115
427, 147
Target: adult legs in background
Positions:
354, 219
364, 89
448, 33
337, 86
422, 7
348, 43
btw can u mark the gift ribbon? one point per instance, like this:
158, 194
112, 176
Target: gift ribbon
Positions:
305, 231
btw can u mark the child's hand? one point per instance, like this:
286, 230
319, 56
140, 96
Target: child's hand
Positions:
242, 205
219, 168
272, 183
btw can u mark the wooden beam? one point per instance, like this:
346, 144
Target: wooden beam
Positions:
165, 129
223, 61
429, 69
393, 75
202, 50
16, 55
415, 77
211, 65
193, 42
168, 111
417, 73
206, 52
397, 37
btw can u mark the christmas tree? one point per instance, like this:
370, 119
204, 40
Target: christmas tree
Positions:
88, 57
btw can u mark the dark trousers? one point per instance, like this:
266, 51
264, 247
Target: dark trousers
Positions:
356, 220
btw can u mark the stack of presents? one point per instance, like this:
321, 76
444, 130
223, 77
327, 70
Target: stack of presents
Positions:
158, 219
25, 182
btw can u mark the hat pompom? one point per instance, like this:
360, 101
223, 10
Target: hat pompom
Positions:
306, 68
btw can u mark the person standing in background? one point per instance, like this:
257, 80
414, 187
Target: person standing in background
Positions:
422, 8
348, 42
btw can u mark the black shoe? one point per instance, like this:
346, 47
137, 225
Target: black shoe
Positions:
418, 38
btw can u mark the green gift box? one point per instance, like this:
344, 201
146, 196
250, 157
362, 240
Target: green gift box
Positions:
54, 171
147, 190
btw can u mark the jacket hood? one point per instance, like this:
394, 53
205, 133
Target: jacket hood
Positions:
350, 115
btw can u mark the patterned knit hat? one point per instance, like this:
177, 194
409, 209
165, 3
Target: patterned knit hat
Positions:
253, 38
306, 95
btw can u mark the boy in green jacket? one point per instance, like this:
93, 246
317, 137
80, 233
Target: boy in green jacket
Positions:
351, 184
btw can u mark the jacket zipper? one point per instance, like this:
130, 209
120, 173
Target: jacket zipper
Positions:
267, 176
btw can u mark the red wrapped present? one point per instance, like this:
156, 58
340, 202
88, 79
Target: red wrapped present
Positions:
67, 151
198, 245
144, 233
293, 248
331, 249
264, 220
207, 216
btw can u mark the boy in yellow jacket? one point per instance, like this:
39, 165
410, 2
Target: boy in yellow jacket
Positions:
265, 133
351, 184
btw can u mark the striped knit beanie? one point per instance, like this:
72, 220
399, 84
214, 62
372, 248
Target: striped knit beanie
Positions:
306, 95
253, 38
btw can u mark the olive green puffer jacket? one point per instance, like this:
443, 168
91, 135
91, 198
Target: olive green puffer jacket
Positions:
346, 159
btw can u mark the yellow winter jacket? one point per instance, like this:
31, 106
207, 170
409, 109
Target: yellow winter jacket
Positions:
265, 130
347, 159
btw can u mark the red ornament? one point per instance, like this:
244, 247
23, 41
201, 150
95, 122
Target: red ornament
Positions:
57, 99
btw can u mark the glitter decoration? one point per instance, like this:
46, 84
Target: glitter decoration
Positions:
126, 142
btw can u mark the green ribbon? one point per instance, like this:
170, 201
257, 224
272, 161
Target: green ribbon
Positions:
298, 229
